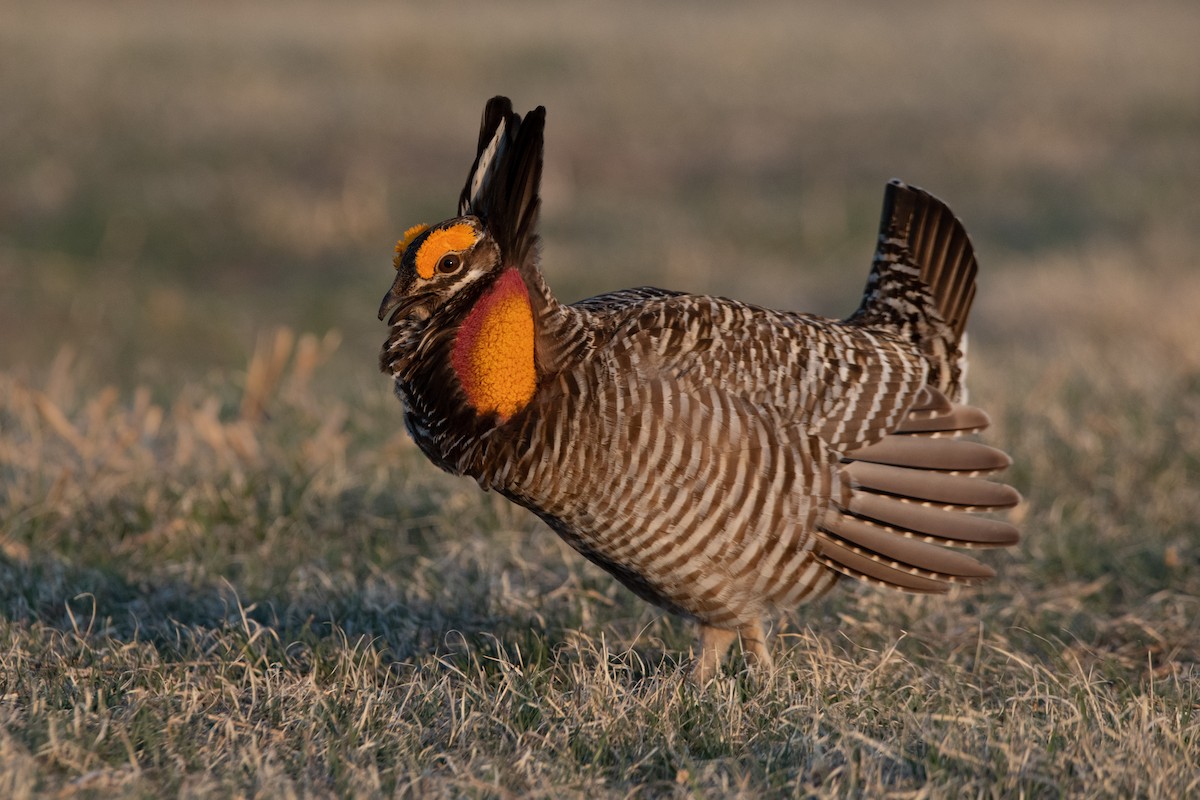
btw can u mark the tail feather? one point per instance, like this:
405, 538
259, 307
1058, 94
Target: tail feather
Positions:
920, 238
922, 282
940, 245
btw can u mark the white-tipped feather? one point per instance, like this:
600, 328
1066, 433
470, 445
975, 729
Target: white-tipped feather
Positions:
488, 160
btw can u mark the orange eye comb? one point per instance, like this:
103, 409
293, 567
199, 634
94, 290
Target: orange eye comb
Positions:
448, 240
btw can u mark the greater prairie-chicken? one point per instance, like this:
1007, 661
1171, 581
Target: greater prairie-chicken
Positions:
719, 459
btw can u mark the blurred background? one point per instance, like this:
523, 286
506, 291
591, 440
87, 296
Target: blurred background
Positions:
177, 178
222, 561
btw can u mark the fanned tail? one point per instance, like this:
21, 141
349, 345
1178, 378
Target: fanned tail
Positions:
914, 491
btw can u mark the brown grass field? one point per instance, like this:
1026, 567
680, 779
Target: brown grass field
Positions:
226, 572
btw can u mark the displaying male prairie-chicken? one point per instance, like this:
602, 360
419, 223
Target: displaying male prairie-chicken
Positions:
719, 459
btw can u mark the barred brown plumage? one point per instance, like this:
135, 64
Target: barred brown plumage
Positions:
719, 459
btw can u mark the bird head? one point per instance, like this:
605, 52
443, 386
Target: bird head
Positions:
436, 264
495, 228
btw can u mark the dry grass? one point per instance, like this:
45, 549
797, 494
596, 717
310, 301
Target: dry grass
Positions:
201, 601
225, 571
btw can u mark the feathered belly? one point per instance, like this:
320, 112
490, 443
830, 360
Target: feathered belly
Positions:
696, 510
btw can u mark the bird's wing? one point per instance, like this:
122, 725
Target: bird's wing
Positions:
913, 490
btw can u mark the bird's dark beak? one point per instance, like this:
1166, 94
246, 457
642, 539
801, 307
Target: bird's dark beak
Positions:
401, 304
396, 295
392, 298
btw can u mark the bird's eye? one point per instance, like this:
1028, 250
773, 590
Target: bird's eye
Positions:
449, 263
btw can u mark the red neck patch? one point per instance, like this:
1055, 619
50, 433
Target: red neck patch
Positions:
493, 353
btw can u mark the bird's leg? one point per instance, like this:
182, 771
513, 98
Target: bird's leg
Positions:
714, 643
754, 646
